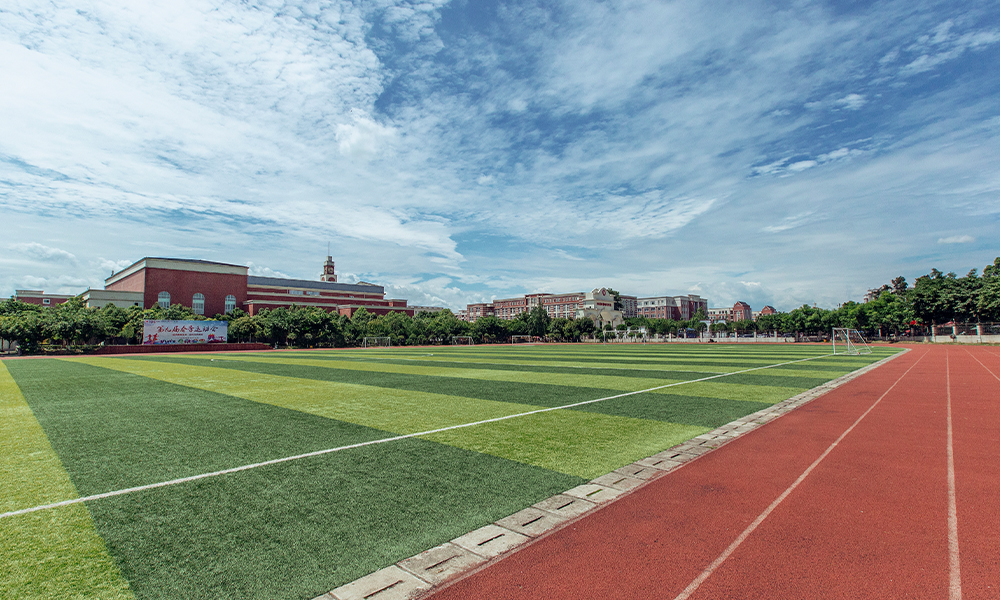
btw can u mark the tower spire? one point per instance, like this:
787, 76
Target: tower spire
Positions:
329, 273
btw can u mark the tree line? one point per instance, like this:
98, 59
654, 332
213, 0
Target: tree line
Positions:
934, 299
71, 325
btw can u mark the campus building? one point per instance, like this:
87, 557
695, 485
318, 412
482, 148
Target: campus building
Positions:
740, 311
630, 306
678, 308
598, 305
767, 310
39, 297
210, 288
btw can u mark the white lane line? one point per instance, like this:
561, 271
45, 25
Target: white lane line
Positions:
954, 571
276, 461
700, 579
982, 365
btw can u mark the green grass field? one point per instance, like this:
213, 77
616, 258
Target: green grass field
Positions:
77, 427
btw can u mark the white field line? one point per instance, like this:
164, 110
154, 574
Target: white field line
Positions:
276, 461
513, 364
954, 569
483, 362
694, 585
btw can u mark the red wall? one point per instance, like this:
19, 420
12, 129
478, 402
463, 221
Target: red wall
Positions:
182, 286
132, 283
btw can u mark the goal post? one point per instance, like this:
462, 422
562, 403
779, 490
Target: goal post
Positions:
376, 342
520, 339
462, 340
849, 341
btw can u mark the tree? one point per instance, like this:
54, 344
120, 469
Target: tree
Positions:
899, 285
490, 329
538, 321
988, 298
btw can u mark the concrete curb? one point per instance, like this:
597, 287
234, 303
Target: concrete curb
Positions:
414, 577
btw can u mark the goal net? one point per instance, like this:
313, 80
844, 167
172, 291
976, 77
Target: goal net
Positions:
849, 341
462, 340
520, 339
376, 342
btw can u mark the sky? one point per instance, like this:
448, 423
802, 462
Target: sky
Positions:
782, 153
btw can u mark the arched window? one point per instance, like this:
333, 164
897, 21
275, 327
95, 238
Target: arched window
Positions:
198, 304
163, 299
230, 303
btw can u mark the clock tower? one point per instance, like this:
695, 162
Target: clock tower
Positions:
328, 272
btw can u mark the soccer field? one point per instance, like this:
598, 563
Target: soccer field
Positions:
263, 475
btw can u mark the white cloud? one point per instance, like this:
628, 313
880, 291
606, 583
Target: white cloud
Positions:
944, 47
791, 222
262, 271
852, 101
957, 239
802, 165
44, 253
364, 137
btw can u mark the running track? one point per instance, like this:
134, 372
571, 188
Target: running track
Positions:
850, 496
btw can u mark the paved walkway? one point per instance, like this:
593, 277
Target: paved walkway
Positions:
886, 487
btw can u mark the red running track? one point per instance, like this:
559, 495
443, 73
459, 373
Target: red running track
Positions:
847, 497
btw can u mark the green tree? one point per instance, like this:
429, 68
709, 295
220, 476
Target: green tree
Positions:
538, 320
490, 329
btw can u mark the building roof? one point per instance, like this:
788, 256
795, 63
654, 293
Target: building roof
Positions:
359, 288
192, 264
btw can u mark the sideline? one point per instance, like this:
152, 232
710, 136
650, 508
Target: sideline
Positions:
276, 461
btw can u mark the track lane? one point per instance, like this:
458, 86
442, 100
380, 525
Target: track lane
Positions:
975, 380
655, 542
871, 520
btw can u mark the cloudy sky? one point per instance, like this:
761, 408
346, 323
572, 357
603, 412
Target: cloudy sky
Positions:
774, 152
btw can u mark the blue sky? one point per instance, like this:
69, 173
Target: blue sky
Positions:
778, 153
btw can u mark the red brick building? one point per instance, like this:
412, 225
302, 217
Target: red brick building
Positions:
39, 297
207, 287
678, 308
742, 311
767, 310
211, 288
474, 312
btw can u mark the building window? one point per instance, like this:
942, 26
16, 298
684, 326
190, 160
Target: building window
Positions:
230, 303
198, 304
163, 299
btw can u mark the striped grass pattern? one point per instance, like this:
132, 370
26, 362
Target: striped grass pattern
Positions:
86, 426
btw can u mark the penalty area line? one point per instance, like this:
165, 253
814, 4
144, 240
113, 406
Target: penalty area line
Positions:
277, 461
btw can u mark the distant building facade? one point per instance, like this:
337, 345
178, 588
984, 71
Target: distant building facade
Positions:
210, 288
678, 308
597, 304
40, 297
767, 310
102, 298
740, 311
630, 306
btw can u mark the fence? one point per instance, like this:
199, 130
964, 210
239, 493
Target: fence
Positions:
966, 333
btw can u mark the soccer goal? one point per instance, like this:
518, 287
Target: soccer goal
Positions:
849, 341
520, 339
462, 340
376, 342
